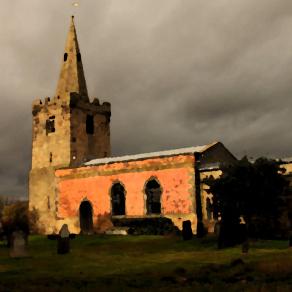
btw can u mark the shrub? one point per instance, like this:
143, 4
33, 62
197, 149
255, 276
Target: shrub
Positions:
16, 216
147, 226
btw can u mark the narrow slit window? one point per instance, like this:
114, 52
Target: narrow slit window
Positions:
89, 124
51, 157
49, 203
50, 125
65, 57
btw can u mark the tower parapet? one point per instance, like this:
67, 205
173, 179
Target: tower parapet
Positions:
68, 131
73, 101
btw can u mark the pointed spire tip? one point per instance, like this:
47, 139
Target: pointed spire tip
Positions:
72, 77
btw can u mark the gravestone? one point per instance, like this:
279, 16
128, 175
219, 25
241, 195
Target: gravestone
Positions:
217, 228
64, 240
18, 247
187, 232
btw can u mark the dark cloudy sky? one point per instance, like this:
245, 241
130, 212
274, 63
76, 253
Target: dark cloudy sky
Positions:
177, 72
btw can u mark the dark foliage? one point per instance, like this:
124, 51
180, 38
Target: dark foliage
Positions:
251, 190
147, 226
16, 216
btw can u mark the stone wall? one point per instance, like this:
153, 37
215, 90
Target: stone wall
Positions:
209, 223
85, 146
175, 175
51, 149
65, 143
216, 154
42, 197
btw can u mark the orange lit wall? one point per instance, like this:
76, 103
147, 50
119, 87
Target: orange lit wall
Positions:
175, 175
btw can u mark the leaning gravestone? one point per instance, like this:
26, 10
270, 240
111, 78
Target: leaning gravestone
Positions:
187, 232
18, 248
64, 240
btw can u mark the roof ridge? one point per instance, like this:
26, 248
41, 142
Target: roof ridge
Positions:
178, 151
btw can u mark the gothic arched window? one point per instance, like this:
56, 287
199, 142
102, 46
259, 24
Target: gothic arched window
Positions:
153, 192
118, 199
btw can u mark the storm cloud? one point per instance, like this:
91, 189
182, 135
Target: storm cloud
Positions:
177, 73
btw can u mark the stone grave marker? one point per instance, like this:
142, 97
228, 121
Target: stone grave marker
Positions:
187, 232
18, 248
64, 240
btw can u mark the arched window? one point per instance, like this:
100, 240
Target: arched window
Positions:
65, 57
118, 199
85, 216
153, 192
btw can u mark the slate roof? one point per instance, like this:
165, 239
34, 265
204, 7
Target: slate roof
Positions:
188, 150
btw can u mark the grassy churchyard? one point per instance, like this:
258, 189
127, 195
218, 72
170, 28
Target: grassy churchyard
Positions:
156, 263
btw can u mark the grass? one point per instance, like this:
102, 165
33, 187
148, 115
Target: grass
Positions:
117, 263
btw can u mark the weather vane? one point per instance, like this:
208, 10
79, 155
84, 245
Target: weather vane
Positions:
75, 4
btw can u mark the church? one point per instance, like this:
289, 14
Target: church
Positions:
75, 180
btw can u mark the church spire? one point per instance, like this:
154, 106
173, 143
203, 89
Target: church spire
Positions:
72, 77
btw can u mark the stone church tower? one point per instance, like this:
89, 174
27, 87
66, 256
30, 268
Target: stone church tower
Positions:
67, 130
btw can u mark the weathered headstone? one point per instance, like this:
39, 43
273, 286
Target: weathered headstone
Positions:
64, 240
217, 228
18, 247
187, 232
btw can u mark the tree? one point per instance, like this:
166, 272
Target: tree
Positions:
16, 216
251, 190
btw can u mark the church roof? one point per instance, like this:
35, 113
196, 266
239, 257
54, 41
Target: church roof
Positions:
188, 150
72, 77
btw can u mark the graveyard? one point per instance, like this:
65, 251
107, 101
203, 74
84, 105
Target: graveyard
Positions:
163, 263
120, 182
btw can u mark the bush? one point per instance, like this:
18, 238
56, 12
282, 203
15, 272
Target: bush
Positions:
147, 226
16, 216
